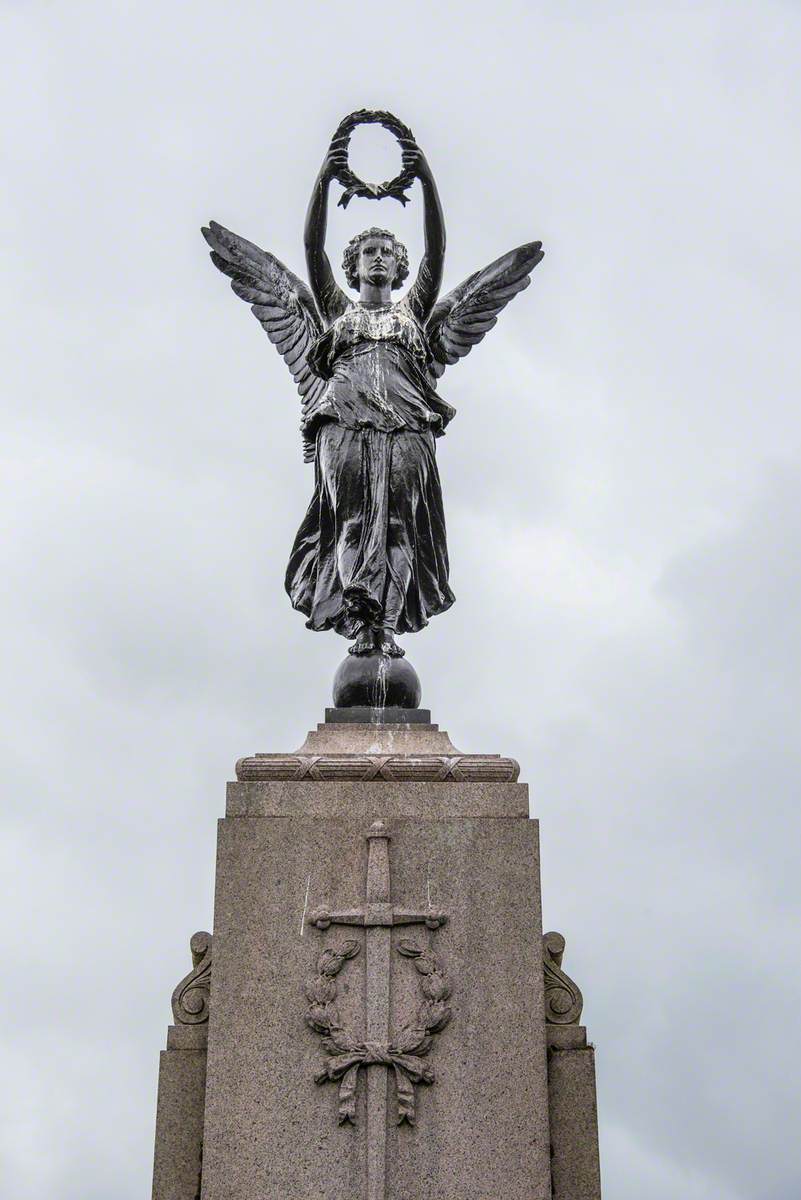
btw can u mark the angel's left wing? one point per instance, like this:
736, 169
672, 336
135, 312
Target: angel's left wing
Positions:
461, 318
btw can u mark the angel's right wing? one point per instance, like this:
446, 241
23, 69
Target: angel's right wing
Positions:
281, 302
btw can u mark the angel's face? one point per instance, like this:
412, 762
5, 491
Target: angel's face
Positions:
378, 262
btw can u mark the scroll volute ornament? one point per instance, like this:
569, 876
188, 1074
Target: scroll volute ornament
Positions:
190, 1000
563, 998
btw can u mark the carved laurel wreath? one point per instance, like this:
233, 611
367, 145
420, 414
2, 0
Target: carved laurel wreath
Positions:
354, 186
347, 1055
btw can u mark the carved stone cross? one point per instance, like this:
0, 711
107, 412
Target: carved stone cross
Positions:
377, 915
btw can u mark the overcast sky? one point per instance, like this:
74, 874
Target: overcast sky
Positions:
623, 493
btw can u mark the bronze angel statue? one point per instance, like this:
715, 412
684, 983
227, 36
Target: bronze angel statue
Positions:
370, 559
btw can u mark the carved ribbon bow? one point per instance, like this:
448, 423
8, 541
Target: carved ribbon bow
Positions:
345, 1063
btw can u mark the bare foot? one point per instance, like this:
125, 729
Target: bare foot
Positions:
365, 642
387, 644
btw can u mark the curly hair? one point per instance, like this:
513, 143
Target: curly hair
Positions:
350, 258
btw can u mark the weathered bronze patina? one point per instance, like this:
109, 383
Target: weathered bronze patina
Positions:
370, 559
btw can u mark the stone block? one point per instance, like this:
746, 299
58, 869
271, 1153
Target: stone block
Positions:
187, 1037
179, 1117
424, 801
566, 1037
359, 714
481, 1128
575, 1166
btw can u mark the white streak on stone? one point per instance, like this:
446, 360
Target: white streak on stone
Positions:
305, 906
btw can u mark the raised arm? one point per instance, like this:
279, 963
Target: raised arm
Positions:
424, 292
328, 295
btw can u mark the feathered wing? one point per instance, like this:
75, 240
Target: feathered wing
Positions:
281, 302
461, 318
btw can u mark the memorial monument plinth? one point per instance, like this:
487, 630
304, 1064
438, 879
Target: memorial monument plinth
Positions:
378, 1016
384, 1018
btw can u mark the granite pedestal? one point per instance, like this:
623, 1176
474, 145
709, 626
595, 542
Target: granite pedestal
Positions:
380, 1021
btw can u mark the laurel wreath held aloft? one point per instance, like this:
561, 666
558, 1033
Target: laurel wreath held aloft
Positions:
406, 1054
354, 186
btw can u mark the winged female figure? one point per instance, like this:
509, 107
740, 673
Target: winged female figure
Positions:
370, 559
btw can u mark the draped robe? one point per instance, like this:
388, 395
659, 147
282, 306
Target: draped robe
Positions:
372, 547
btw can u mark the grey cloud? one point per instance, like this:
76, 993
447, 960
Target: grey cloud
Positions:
622, 488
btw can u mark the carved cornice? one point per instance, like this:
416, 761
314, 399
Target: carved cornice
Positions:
563, 998
391, 768
190, 1000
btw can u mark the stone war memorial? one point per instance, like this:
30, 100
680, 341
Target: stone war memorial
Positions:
377, 1014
